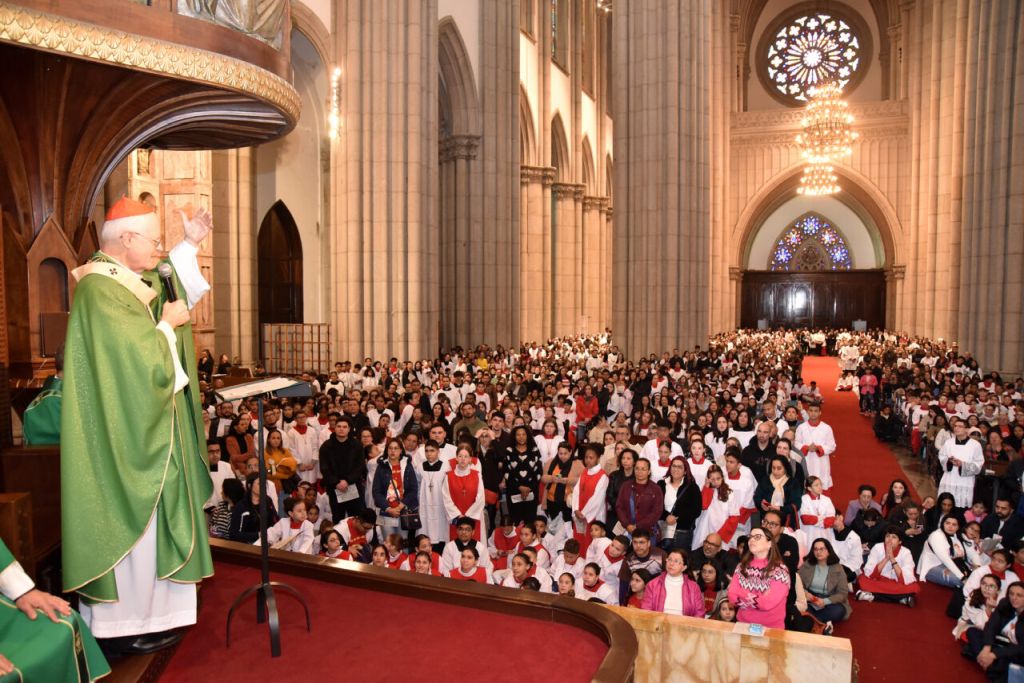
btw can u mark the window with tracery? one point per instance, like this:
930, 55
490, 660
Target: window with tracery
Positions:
812, 49
810, 243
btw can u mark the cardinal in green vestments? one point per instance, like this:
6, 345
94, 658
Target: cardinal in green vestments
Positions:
133, 469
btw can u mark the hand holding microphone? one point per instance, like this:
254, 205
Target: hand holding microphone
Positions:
175, 312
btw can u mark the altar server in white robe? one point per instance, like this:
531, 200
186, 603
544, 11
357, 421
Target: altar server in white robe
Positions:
815, 440
433, 514
817, 513
304, 443
962, 460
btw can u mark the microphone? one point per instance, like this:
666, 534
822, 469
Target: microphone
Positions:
166, 276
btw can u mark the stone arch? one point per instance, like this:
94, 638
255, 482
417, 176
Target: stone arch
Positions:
589, 176
306, 22
457, 80
527, 134
858, 193
560, 158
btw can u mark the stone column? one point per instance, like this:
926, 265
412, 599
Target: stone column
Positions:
593, 285
894, 314
935, 40
735, 295
459, 271
535, 255
990, 323
234, 254
497, 203
607, 275
663, 110
385, 255
565, 259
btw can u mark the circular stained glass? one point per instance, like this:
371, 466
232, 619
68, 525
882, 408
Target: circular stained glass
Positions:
810, 50
810, 243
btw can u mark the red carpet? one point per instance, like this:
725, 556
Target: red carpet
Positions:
890, 642
361, 635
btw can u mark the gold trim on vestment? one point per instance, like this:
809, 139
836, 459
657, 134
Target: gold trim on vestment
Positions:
121, 275
53, 33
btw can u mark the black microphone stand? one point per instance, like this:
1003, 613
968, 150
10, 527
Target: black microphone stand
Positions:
266, 602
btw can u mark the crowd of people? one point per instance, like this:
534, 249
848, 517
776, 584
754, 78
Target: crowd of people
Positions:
693, 483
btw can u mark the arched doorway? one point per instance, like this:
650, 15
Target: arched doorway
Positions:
797, 283
280, 268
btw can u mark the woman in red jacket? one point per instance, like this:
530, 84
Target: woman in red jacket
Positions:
673, 591
640, 501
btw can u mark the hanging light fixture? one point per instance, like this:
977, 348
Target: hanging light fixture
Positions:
827, 137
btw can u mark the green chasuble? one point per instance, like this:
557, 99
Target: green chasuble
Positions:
41, 422
130, 446
44, 651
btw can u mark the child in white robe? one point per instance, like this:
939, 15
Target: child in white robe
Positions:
293, 532
817, 513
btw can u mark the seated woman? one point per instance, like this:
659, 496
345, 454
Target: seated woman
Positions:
591, 586
825, 584
999, 644
760, 584
980, 604
673, 591
888, 574
712, 585
947, 559
521, 568
56, 648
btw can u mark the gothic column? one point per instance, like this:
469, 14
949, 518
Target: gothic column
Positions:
607, 276
458, 270
894, 313
935, 39
664, 157
990, 323
736, 295
234, 254
385, 255
594, 264
566, 259
535, 257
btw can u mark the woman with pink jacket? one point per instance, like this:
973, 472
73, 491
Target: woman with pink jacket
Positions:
673, 591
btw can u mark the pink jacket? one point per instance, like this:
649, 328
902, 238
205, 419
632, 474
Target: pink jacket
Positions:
654, 597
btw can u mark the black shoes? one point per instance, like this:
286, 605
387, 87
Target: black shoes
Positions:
145, 644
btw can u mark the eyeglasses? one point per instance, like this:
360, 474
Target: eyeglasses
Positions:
760, 537
157, 244
770, 525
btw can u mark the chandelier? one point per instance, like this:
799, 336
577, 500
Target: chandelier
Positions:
827, 137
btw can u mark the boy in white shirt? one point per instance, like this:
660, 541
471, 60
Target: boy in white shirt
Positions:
293, 532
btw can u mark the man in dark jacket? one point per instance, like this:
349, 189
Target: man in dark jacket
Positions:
344, 471
1003, 523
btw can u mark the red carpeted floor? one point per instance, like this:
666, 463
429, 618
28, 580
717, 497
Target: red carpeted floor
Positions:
361, 635
890, 642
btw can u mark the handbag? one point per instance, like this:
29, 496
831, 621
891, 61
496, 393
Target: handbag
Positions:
408, 519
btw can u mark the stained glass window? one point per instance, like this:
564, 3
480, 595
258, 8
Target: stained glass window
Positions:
812, 49
810, 243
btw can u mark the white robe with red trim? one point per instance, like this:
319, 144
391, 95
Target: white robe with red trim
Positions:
817, 462
817, 515
719, 517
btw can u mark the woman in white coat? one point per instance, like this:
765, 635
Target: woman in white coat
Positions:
947, 559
